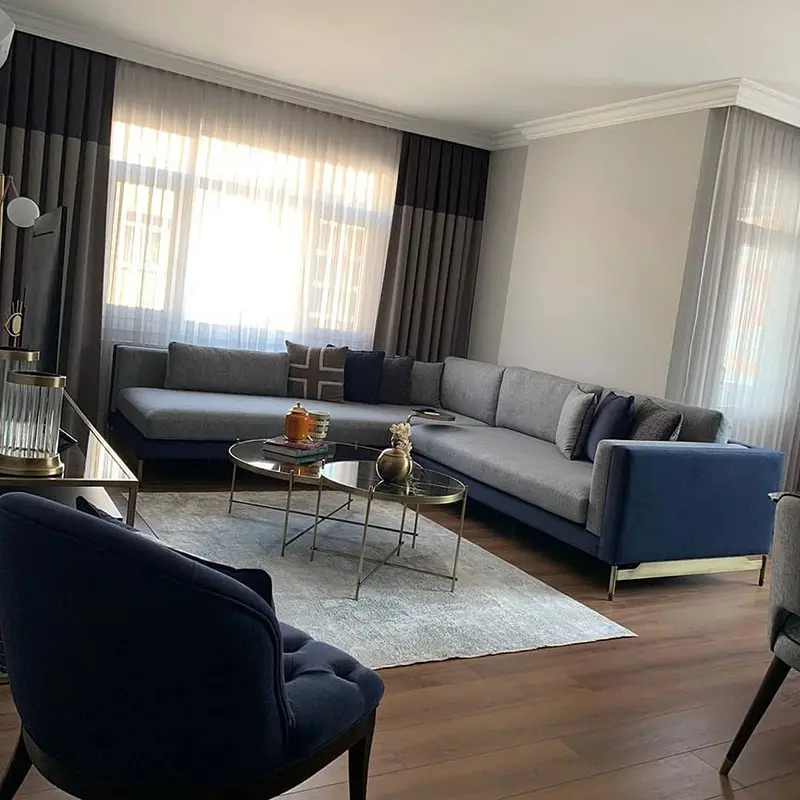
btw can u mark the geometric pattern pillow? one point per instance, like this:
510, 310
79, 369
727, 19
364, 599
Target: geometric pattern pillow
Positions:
316, 373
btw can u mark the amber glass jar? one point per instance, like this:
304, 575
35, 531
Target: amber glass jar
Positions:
297, 424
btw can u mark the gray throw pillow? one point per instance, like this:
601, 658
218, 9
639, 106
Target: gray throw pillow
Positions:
396, 380
218, 369
574, 423
654, 423
316, 373
426, 380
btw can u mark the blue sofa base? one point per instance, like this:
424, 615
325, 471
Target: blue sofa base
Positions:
168, 449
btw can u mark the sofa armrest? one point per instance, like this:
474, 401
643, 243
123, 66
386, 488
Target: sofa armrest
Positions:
136, 366
664, 501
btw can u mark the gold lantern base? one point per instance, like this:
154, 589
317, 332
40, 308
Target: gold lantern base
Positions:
44, 467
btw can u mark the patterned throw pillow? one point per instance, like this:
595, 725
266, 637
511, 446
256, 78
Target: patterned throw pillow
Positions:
653, 423
316, 373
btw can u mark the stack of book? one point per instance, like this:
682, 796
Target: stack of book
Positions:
297, 452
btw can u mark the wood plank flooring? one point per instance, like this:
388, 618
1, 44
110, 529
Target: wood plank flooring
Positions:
631, 719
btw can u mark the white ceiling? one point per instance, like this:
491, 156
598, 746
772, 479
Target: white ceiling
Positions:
484, 65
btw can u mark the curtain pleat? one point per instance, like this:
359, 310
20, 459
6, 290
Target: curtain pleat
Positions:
745, 340
55, 128
426, 301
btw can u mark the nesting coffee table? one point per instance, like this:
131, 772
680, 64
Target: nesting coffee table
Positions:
351, 469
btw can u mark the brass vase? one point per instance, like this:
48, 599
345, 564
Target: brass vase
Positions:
394, 465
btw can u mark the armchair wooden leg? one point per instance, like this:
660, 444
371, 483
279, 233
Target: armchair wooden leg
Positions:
17, 769
775, 676
359, 764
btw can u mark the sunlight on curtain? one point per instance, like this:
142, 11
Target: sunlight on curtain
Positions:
240, 221
745, 348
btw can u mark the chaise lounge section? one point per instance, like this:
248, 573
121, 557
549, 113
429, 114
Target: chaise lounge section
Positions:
696, 505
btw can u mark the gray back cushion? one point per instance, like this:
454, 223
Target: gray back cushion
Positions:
471, 388
217, 369
531, 402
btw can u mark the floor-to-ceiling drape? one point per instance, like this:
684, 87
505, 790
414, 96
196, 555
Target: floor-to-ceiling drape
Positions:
744, 344
55, 128
426, 301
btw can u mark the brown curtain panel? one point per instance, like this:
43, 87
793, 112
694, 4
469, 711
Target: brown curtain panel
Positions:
426, 301
55, 129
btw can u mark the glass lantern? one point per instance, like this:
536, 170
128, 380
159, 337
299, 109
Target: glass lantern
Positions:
30, 419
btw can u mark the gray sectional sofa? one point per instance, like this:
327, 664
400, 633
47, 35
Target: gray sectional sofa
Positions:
644, 508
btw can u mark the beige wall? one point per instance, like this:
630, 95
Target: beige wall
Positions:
503, 196
600, 252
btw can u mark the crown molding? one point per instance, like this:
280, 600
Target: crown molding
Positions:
505, 140
113, 45
769, 102
709, 95
733, 92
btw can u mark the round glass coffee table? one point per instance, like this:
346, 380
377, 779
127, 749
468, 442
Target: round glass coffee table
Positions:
249, 456
424, 488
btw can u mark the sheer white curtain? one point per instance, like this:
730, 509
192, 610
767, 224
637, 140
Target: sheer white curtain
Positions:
744, 353
240, 221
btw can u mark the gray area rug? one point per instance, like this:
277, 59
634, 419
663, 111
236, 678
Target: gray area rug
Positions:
402, 617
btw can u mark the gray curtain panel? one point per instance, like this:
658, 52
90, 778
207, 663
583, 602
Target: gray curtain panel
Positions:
426, 301
55, 129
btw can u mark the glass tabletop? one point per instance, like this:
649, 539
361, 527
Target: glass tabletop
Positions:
425, 487
91, 462
249, 455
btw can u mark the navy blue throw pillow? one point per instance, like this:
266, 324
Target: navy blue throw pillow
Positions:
612, 420
362, 375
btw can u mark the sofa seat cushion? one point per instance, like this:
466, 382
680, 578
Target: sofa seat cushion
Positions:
531, 469
204, 416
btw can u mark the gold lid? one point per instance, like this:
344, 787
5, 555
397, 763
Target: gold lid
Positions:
47, 380
18, 354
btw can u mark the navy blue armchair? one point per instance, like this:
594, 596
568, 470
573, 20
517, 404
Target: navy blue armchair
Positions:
138, 672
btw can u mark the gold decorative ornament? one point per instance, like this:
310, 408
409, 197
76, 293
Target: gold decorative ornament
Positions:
394, 464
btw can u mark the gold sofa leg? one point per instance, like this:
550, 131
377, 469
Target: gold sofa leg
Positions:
612, 582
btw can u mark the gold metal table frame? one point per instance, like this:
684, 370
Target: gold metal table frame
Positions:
411, 495
325, 477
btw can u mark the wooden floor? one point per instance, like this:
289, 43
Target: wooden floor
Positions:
630, 719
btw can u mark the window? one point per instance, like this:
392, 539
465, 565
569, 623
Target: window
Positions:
240, 221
